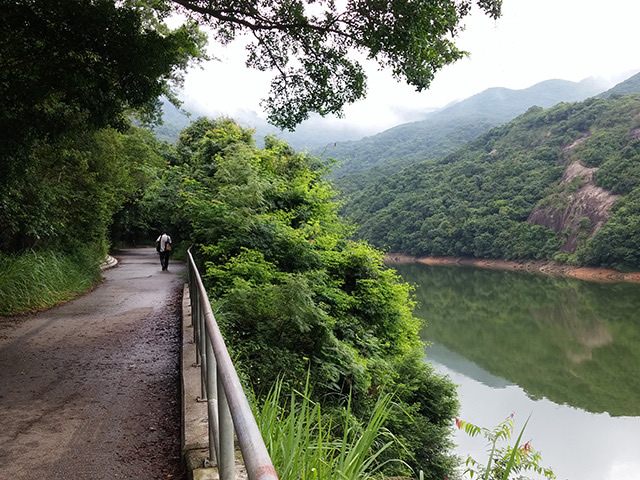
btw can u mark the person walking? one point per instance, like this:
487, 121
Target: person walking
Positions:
163, 247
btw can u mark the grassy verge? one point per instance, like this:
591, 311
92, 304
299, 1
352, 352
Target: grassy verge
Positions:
31, 281
304, 444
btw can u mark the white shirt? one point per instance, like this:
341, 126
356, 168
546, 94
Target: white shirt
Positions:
163, 239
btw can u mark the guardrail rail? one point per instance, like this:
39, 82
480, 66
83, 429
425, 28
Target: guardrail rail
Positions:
227, 405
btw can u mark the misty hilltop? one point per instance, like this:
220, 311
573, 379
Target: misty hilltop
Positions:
630, 85
445, 130
343, 141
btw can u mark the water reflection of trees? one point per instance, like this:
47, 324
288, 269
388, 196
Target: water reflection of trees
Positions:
567, 340
580, 331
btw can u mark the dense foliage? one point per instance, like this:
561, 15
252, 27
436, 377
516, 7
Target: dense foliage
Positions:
69, 70
476, 201
294, 295
68, 66
70, 194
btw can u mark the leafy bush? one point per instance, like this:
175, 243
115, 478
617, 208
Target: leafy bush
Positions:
504, 462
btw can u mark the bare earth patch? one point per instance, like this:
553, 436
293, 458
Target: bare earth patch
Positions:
602, 275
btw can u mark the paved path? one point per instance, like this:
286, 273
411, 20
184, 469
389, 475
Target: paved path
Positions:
89, 390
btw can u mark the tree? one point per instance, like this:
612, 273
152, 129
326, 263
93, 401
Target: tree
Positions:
312, 45
71, 65
67, 198
69, 68
63, 58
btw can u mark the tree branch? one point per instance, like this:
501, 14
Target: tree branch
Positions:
256, 22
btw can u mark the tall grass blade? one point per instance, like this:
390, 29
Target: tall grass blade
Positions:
302, 443
514, 452
32, 280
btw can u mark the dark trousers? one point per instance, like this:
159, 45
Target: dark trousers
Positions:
164, 259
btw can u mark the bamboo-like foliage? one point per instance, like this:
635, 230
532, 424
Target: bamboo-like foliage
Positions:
303, 443
504, 463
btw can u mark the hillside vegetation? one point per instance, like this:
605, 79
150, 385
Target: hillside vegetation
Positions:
630, 85
502, 195
442, 132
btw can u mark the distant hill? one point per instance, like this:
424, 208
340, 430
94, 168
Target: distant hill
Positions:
311, 134
631, 85
445, 130
173, 122
561, 183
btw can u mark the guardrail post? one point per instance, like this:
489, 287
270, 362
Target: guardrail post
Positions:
212, 407
227, 460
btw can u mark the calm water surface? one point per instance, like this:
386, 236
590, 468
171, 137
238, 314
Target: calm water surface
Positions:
566, 352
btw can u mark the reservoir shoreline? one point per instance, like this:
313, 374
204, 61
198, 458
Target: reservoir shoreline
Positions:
602, 275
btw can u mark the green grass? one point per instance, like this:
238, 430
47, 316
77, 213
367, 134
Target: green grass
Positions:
304, 445
31, 281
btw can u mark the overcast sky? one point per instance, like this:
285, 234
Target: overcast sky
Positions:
533, 41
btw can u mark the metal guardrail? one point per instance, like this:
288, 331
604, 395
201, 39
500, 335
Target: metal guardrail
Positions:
227, 405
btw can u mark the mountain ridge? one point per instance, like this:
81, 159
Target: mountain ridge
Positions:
444, 130
561, 183
630, 85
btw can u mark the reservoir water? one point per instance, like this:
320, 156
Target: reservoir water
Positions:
563, 351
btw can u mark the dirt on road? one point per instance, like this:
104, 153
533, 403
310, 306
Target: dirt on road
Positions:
90, 389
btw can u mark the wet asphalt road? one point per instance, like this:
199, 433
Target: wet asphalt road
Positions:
89, 390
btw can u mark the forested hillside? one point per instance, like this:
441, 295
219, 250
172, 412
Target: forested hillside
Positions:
559, 183
443, 131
